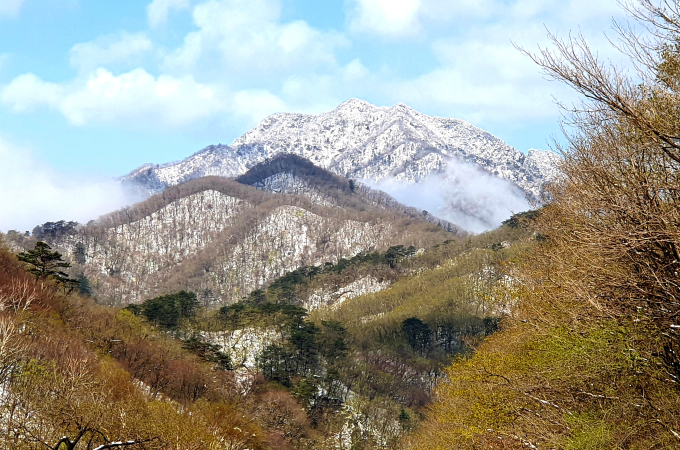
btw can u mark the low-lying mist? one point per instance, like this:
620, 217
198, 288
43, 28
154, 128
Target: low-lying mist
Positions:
32, 193
465, 194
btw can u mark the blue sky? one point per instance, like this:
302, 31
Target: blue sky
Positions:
92, 89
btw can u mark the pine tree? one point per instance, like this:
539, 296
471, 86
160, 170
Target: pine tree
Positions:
417, 333
79, 253
84, 286
44, 263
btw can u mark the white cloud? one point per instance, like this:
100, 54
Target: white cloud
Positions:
458, 11
243, 61
481, 77
10, 8
33, 193
386, 17
570, 11
109, 49
313, 93
28, 91
483, 80
248, 39
257, 104
104, 97
406, 18
99, 95
158, 10
465, 195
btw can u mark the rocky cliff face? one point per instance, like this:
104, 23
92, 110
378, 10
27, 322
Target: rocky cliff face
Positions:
362, 141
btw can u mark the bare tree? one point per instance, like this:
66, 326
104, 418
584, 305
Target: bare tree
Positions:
615, 214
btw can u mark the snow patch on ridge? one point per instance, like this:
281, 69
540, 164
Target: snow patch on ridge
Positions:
333, 297
286, 183
244, 345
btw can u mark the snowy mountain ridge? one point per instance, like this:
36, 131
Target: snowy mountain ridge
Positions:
362, 141
223, 239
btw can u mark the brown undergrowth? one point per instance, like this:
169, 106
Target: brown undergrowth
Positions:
89, 376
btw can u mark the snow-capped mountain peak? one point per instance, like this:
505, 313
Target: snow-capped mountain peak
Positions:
363, 141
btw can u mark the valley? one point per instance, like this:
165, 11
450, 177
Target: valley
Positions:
288, 282
273, 278
301, 269
359, 343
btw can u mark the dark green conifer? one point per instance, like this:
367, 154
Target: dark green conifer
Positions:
44, 263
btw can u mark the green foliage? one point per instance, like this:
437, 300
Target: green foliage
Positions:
44, 263
257, 310
404, 419
167, 311
306, 390
277, 304
310, 357
388, 348
418, 334
589, 432
497, 246
79, 253
53, 230
305, 352
522, 219
333, 340
84, 287
284, 289
397, 253
304, 346
208, 352
275, 364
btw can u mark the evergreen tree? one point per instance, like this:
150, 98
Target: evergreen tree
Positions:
274, 362
417, 333
208, 352
395, 254
44, 263
168, 310
332, 340
84, 286
53, 230
305, 349
79, 253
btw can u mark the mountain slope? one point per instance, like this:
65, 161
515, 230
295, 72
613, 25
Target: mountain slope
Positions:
223, 239
292, 174
359, 140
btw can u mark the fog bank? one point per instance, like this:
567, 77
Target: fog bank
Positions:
465, 194
32, 193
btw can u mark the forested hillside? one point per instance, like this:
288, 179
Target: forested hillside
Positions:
261, 373
294, 309
223, 239
78, 376
588, 357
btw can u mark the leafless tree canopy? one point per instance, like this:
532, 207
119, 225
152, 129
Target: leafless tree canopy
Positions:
617, 207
